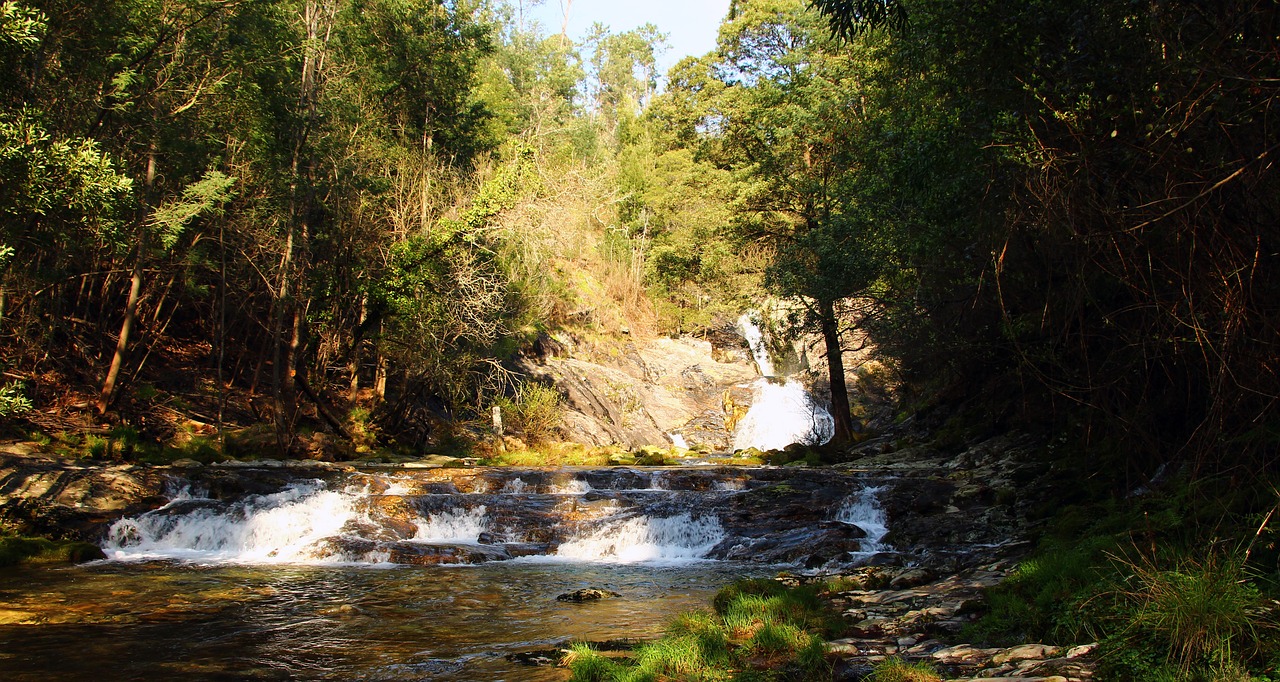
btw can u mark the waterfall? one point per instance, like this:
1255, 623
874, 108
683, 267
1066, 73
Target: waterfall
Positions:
673, 539
863, 511
782, 412
462, 525
755, 340
605, 515
284, 527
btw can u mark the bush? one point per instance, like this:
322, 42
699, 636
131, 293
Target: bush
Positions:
18, 550
534, 412
1205, 613
13, 399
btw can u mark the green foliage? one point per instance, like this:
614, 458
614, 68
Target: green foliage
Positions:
13, 399
894, 669
59, 178
1206, 612
204, 196
20, 26
1153, 583
534, 412
759, 630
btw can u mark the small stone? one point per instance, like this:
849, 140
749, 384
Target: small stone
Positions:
906, 642
586, 594
847, 647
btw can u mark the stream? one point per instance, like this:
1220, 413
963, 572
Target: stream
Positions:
433, 574
269, 572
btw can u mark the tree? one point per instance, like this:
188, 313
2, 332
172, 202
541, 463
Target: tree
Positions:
790, 117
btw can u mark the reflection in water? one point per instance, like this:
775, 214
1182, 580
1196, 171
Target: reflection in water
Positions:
161, 621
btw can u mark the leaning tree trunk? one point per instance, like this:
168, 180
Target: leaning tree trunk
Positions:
131, 304
835, 368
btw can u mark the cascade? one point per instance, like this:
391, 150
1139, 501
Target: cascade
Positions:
480, 515
863, 510
782, 411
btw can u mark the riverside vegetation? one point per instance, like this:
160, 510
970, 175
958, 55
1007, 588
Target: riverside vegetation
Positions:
333, 229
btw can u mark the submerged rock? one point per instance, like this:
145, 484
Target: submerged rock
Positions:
587, 594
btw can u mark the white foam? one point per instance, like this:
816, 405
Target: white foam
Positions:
515, 486
285, 527
863, 510
674, 539
461, 525
574, 486
782, 414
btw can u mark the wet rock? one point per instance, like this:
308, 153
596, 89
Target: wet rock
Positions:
424, 554
540, 658
587, 594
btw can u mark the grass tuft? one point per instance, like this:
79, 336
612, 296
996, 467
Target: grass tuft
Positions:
897, 670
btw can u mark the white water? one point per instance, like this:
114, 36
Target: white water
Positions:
515, 486
675, 539
461, 525
781, 413
292, 526
285, 527
678, 441
755, 340
575, 486
863, 511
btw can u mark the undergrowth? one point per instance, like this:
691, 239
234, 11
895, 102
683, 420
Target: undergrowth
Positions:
757, 630
1179, 586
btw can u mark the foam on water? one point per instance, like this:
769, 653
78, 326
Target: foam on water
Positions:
674, 539
460, 525
575, 486
782, 414
863, 510
285, 527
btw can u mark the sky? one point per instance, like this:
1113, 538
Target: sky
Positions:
690, 25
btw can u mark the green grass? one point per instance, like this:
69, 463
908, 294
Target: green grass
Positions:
896, 670
1179, 586
759, 631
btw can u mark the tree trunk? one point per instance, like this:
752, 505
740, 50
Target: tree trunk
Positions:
131, 304
835, 368
126, 328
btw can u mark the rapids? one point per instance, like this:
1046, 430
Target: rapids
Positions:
258, 574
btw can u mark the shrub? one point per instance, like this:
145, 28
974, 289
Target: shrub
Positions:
760, 630
1204, 612
13, 399
534, 412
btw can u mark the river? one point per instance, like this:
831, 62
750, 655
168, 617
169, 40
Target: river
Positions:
256, 574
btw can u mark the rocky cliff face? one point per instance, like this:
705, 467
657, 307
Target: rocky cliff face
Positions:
641, 392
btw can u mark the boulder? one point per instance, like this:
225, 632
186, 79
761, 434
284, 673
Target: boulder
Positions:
587, 594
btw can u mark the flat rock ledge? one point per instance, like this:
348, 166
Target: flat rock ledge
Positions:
914, 617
